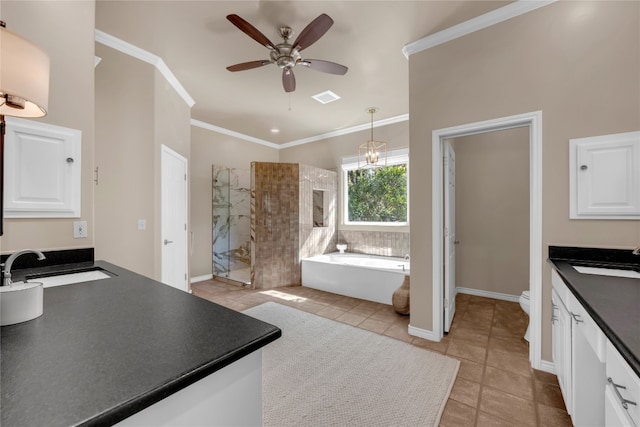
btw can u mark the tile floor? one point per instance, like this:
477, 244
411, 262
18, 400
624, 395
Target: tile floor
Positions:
495, 384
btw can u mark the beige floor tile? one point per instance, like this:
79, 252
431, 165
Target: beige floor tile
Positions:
440, 346
508, 382
351, 318
458, 415
330, 312
549, 395
399, 331
553, 417
466, 351
471, 370
374, 325
472, 336
487, 420
507, 407
545, 377
509, 362
465, 391
512, 345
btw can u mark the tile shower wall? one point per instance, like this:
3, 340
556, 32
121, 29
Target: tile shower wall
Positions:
274, 224
282, 223
386, 243
316, 237
231, 223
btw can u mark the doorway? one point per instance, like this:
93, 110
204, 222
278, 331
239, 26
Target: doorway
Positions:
534, 123
174, 219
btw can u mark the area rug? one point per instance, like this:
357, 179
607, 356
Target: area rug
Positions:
326, 373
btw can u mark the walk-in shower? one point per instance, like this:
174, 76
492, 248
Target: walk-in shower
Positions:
232, 224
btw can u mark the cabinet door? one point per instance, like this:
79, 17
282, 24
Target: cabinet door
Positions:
42, 170
561, 336
605, 176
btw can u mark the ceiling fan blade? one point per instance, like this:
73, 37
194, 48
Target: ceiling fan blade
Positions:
248, 65
288, 80
325, 66
250, 30
313, 31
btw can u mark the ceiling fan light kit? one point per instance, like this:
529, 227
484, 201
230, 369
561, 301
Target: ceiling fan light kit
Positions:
372, 153
287, 55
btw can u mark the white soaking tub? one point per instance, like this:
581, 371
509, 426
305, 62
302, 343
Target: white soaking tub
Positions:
369, 277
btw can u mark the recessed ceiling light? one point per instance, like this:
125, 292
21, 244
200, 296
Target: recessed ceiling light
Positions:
325, 97
274, 130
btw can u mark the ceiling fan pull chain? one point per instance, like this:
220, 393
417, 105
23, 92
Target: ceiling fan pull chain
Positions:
289, 101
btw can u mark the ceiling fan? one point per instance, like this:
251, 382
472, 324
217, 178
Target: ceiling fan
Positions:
287, 55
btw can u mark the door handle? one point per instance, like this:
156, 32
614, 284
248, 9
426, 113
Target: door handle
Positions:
166, 242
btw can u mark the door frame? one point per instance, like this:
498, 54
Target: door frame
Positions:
534, 121
164, 150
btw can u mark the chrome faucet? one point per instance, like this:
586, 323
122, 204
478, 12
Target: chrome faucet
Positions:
6, 267
636, 251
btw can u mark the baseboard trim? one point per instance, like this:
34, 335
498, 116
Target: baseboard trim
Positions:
488, 294
547, 366
197, 279
422, 333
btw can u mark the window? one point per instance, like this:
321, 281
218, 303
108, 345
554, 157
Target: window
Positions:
376, 196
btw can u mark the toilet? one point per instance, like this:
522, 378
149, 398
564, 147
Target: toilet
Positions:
524, 303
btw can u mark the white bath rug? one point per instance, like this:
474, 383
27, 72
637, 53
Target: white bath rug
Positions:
326, 373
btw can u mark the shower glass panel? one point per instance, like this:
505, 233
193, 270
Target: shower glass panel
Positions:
232, 224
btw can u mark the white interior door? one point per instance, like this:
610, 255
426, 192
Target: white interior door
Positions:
174, 219
449, 235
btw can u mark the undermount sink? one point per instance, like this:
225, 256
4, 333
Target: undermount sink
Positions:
615, 272
68, 279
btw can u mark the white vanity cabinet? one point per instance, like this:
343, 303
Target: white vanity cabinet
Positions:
581, 357
598, 386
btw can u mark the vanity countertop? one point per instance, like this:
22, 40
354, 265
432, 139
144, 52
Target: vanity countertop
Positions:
106, 349
612, 302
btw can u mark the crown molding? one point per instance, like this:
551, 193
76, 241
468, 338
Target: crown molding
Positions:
148, 57
218, 129
478, 23
346, 131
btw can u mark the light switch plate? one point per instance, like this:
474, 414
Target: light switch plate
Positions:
142, 224
79, 229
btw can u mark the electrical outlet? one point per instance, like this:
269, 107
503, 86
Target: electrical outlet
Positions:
79, 229
142, 224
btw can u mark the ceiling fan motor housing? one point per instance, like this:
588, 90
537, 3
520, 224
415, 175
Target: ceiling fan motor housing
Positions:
285, 56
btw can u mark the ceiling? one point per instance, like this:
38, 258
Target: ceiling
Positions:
197, 43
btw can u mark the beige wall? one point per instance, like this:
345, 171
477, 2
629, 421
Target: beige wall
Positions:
65, 30
136, 112
577, 62
492, 211
208, 148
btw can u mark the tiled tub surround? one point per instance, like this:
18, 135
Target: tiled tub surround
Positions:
231, 223
316, 240
282, 230
384, 243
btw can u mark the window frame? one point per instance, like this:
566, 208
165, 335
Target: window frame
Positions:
394, 157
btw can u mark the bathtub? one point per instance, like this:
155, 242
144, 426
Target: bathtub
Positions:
368, 277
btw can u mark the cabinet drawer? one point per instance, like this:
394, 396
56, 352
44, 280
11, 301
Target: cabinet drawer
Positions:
620, 373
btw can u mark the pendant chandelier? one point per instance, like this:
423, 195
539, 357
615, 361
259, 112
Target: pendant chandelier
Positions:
372, 153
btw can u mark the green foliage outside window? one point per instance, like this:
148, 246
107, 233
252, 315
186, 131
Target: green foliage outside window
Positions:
378, 195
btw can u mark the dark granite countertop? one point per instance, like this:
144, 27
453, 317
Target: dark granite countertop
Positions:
106, 349
612, 302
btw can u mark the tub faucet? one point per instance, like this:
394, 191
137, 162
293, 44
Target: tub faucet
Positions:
6, 267
636, 251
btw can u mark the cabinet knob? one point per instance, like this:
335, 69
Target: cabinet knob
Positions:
69, 159
583, 167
